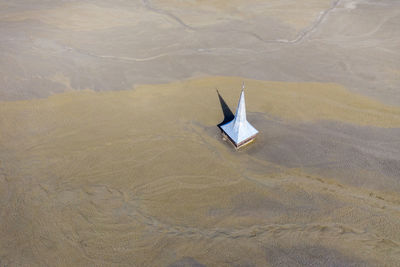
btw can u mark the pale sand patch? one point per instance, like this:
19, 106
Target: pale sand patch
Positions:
82, 16
62, 79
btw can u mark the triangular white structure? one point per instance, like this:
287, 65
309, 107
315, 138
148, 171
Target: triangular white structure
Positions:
239, 130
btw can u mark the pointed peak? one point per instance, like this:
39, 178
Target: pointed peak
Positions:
239, 130
240, 115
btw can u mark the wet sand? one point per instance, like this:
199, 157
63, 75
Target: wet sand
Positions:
143, 177
102, 45
110, 154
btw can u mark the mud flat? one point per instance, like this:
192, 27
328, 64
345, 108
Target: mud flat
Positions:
55, 46
110, 154
143, 177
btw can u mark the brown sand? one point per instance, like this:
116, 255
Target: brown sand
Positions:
142, 177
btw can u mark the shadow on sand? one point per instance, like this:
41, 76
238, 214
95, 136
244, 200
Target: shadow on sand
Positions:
228, 115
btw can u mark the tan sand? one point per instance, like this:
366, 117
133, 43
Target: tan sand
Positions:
142, 177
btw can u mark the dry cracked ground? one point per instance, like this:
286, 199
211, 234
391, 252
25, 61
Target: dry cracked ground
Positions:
110, 154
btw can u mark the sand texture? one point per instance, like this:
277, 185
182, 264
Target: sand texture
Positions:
143, 177
110, 154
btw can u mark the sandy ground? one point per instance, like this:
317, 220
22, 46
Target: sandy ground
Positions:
142, 177
108, 45
110, 154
